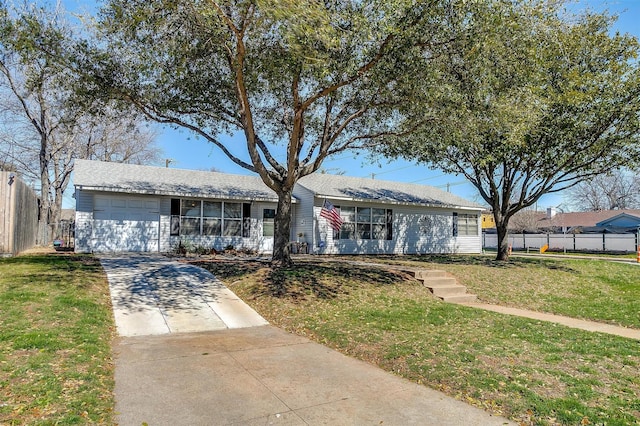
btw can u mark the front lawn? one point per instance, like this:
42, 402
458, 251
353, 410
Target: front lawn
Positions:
533, 372
56, 329
586, 289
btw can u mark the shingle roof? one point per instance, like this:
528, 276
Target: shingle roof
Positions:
583, 218
118, 177
363, 189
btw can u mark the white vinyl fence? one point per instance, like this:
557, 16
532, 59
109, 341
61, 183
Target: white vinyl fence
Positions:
573, 242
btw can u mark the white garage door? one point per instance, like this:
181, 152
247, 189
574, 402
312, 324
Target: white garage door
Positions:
122, 224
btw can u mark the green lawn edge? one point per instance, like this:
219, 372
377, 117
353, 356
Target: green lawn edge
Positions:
56, 331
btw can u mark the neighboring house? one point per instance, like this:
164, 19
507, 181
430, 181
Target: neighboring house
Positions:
626, 220
130, 208
612, 221
488, 221
607, 221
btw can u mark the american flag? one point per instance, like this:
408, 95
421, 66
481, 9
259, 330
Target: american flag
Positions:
332, 214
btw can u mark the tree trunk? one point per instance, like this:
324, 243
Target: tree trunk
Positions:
56, 214
503, 240
45, 202
282, 230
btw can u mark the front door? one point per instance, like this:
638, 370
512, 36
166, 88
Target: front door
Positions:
268, 227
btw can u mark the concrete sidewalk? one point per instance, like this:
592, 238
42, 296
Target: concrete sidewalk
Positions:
263, 376
599, 327
168, 371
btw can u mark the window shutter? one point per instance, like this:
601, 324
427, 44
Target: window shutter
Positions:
246, 220
389, 224
174, 224
455, 224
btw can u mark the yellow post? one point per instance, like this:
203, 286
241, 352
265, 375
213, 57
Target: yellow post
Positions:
544, 248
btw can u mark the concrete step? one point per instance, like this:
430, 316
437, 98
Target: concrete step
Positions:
460, 298
429, 273
443, 286
447, 290
439, 281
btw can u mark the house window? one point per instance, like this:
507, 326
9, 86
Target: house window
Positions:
365, 223
465, 225
378, 224
209, 218
268, 222
348, 229
190, 214
232, 220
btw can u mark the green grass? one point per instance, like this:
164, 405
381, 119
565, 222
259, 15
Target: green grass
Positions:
587, 289
55, 334
531, 371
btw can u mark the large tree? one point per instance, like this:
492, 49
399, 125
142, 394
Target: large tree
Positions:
42, 129
534, 102
617, 190
300, 80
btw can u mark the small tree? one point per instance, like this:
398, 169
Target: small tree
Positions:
534, 104
299, 80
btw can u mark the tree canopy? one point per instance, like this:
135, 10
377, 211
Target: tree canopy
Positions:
300, 80
529, 101
43, 130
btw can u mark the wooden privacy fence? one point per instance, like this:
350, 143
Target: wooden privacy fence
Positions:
18, 215
570, 242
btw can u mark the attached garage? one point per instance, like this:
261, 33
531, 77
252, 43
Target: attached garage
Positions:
125, 224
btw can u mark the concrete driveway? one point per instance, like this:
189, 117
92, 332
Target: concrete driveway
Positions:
152, 294
236, 370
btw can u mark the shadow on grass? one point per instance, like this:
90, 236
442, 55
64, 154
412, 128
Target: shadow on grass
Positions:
226, 269
323, 281
301, 281
489, 262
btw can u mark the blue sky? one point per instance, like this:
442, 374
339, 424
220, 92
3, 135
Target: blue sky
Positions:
188, 152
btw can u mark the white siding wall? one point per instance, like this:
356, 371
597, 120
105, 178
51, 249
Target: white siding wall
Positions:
165, 225
218, 243
84, 220
304, 217
416, 230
